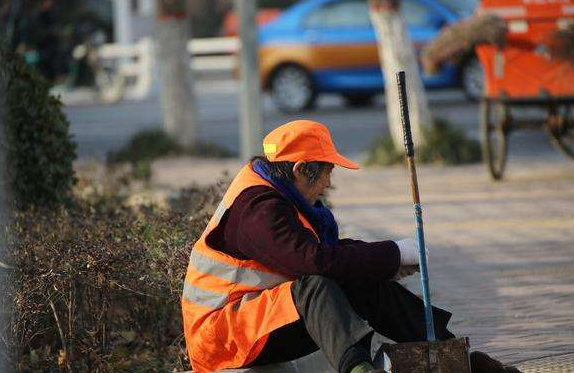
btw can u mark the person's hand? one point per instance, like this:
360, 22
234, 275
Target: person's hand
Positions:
405, 271
409, 252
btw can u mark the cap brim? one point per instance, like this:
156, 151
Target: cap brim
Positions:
339, 160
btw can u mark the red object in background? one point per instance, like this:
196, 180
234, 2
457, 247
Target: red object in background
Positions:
523, 68
231, 24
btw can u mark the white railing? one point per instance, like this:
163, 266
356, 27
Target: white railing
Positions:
135, 63
213, 53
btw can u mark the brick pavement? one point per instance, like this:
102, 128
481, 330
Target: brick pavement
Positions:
558, 363
502, 254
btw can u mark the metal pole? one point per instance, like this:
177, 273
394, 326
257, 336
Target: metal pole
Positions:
122, 22
404, 109
250, 86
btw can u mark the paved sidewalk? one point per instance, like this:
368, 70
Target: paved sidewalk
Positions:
501, 254
560, 363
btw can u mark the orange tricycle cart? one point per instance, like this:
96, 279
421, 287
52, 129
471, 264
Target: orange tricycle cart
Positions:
522, 74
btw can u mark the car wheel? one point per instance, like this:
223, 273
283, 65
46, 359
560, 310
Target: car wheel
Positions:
358, 99
292, 89
472, 79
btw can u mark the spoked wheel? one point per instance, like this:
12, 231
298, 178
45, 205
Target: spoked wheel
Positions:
560, 127
472, 79
495, 125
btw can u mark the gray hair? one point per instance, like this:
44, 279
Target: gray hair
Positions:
284, 170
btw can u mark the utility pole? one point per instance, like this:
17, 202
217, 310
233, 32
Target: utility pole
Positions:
250, 82
396, 53
173, 30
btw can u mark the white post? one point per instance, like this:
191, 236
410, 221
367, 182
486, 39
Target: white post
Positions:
123, 22
147, 7
250, 84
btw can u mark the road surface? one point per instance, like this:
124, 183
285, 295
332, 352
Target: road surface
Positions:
99, 129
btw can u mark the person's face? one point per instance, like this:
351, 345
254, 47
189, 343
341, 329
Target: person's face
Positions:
312, 192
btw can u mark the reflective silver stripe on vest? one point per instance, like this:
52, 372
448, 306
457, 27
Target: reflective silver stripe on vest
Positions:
218, 214
245, 276
204, 297
213, 300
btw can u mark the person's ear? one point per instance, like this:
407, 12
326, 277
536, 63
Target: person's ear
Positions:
297, 174
297, 167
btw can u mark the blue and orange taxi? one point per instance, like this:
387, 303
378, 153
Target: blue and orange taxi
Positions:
329, 46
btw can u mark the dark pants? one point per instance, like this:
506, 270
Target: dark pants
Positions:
340, 319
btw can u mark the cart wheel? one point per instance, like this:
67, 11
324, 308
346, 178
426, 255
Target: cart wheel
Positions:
495, 124
560, 127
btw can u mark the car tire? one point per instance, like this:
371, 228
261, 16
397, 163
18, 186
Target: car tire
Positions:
292, 89
358, 99
472, 79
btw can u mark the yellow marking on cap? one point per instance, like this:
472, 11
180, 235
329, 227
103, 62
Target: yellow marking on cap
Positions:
269, 148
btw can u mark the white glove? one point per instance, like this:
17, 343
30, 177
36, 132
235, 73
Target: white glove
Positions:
409, 252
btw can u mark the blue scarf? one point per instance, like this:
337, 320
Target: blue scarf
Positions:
320, 217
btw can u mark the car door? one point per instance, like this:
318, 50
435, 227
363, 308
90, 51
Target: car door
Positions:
342, 45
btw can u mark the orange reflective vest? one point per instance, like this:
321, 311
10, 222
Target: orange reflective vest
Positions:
230, 305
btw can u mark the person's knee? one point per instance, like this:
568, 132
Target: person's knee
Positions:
310, 291
316, 281
312, 284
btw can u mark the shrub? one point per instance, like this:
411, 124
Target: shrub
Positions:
383, 152
96, 286
148, 145
39, 150
443, 144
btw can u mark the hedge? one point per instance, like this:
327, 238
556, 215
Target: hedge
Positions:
96, 286
39, 151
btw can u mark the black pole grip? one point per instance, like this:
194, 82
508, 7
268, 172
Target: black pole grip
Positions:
406, 121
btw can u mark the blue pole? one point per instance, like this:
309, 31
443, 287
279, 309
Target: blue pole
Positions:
410, 153
424, 272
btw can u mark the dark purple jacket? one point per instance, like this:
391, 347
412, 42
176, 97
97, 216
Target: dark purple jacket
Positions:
262, 225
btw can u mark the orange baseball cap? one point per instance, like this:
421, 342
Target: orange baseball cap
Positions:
303, 140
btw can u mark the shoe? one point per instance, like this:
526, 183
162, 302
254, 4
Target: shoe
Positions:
482, 363
382, 362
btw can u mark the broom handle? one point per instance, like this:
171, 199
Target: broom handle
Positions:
417, 204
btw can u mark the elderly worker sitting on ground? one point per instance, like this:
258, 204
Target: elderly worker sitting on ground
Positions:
270, 280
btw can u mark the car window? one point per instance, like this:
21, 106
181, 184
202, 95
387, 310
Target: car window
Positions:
348, 13
463, 8
415, 13
355, 13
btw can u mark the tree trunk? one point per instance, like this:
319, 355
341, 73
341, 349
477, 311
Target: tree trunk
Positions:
396, 53
176, 81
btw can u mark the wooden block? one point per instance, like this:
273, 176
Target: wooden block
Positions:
451, 356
